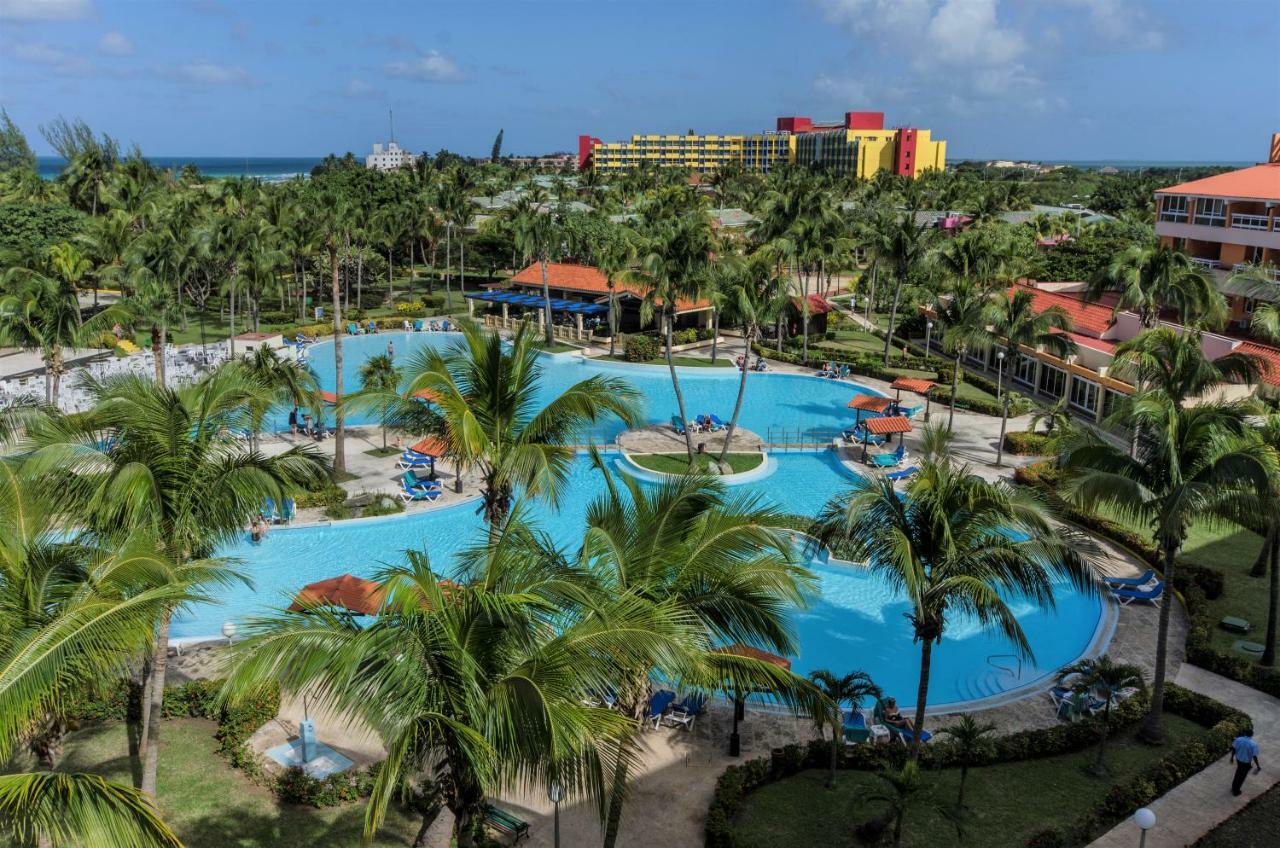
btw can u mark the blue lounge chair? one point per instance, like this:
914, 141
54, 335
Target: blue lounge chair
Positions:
1071, 705
420, 494
686, 711
903, 473
444, 325
658, 705
677, 424
290, 510
418, 325
413, 459
1151, 595
371, 327
889, 460
909, 411
717, 423
899, 733
708, 423
269, 509
1132, 582
856, 731
353, 329
859, 435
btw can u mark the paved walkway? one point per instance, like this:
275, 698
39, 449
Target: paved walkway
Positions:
1196, 806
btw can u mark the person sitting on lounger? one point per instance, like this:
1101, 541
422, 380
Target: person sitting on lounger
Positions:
760, 365
894, 718
740, 362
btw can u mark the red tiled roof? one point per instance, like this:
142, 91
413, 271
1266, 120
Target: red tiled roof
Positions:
818, 304
1270, 357
1089, 319
913, 384
430, 446
871, 403
1261, 182
885, 426
588, 280
1090, 342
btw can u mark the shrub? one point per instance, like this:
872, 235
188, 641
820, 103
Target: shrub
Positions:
382, 505
1020, 443
414, 306
686, 336
329, 496
639, 348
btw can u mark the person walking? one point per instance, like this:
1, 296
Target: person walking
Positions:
1244, 753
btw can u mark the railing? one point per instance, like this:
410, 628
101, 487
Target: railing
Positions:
1242, 266
1250, 222
1207, 263
1016, 671
786, 438
1174, 217
569, 334
1216, 219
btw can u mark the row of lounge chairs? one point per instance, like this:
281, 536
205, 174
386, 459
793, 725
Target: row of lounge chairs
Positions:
1071, 703
419, 326
414, 488
1147, 587
857, 731
701, 424
663, 707
287, 512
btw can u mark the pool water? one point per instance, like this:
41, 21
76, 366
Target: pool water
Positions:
854, 622
796, 402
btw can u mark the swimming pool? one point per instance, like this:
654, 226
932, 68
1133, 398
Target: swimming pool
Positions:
855, 622
796, 402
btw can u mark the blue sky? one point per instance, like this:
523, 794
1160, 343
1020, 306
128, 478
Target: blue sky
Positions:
1045, 79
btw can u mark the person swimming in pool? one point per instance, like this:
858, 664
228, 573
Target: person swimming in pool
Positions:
391, 350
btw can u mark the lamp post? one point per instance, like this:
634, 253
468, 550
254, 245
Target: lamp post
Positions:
928, 331
228, 630
1145, 820
556, 793
999, 374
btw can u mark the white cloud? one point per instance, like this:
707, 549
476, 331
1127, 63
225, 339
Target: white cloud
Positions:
844, 89
45, 10
1122, 23
432, 66
207, 73
357, 88
39, 53
115, 44
968, 32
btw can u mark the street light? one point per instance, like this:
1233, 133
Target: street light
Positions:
928, 330
228, 630
999, 374
1145, 820
556, 793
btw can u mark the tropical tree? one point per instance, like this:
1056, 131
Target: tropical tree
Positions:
613, 257
1188, 464
159, 459
755, 294
900, 244
718, 569
280, 382
851, 689
903, 789
964, 310
1013, 317
331, 218
477, 681
485, 407
970, 740
41, 312
1106, 680
954, 543
536, 233
1056, 419
1174, 363
379, 374
1149, 277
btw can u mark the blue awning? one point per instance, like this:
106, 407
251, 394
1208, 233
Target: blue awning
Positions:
557, 304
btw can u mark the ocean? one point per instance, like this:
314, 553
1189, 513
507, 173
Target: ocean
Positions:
269, 168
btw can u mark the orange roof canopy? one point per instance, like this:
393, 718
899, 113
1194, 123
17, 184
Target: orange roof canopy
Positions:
363, 597
430, 446
913, 384
885, 426
738, 649
427, 394
871, 403
329, 397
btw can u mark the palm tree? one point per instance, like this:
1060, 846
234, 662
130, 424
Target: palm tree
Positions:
484, 394
901, 245
157, 458
476, 681
42, 313
1013, 317
1188, 464
1262, 283
903, 788
964, 310
718, 568
672, 263
755, 295
1104, 679
969, 741
280, 382
330, 213
1056, 419
613, 257
379, 374
1269, 554
1173, 362
61, 808
535, 235
850, 689
1148, 278
954, 543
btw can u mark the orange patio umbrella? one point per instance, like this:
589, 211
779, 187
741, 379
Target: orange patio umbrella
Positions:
869, 403
917, 385
329, 398
426, 395
886, 427
348, 592
738, 649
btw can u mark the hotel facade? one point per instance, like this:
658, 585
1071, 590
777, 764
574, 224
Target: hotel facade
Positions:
859, 145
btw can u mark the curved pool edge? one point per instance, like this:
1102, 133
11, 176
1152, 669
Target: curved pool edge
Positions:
631, 468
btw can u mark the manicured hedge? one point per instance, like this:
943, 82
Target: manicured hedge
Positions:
1178, 764
637, 348
1022, 443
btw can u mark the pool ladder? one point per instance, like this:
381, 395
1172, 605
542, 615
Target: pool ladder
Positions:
1015, 671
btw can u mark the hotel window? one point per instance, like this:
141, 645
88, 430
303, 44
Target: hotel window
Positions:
1211, 211
1052, 381
1111, 401
1174, 208
1084, 394
1024, 370
1249, 304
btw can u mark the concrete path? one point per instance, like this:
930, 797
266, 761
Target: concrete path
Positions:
1196, 806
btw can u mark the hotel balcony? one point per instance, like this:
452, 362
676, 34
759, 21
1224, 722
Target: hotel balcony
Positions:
1245, 230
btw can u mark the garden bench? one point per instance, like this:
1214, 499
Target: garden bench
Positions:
504, 822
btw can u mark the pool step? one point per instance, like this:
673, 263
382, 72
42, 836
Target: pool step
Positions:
990, 682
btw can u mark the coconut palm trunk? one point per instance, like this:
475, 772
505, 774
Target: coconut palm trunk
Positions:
715, 333
1273, 595
231, 327
339, 429
893, 317
391, 283
675, 385
955, 387
157, 351
548, 335
613, 318
748, 332
1153, 727
151, 743
922, 695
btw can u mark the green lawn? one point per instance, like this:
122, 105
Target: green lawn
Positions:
684, 361
1008, 803
1230, 550
1256, 826
210, 805
678, 463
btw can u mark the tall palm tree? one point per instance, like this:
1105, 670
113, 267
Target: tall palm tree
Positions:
963, 308
613, 257
852, 688
755, 295
536, 234
1013, 317
161, 459
1104, 679
41, 312
1188, 464
719, 568
954, 543
900, 244
486, 409
280, 382
1151, 277
330, 214
380, 374
477, 681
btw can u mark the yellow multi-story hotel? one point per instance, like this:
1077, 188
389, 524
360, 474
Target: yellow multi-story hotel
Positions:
860, 145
